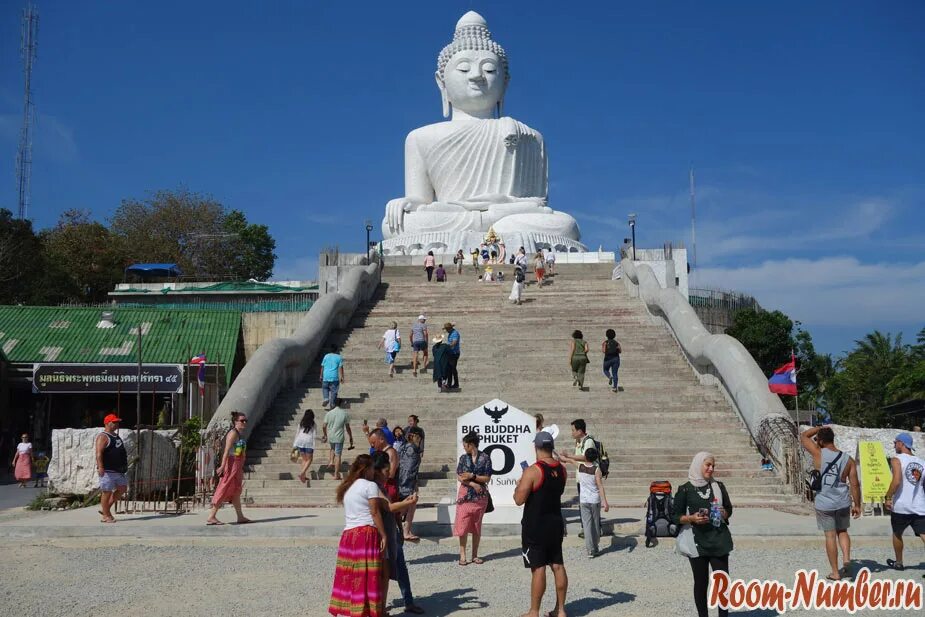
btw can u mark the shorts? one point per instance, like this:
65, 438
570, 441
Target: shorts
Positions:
899, 523
111, 480
830, 520
311, 450
419, 346
543, 550
337, 446
390, 357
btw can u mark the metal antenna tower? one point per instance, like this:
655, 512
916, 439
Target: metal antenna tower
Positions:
30, 27
693, 218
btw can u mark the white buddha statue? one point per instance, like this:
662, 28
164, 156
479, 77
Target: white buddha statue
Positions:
477, 170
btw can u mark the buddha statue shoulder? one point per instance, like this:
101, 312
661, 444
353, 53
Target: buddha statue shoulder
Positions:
478, 169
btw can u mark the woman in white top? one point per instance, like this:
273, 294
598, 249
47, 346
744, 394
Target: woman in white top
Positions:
22, 461
591, 497
391, 342
305, 443
361, 569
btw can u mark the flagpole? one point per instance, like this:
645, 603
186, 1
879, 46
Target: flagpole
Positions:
796, 397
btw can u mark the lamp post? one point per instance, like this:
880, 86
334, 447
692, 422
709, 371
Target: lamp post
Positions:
369, 228
632, 222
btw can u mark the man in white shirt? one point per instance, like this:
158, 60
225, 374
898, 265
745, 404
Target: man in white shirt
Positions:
906, 496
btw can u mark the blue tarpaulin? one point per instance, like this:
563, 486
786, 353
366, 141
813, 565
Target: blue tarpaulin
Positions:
162, 270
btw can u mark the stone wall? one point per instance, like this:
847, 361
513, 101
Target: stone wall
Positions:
847, 438
72, 469
722, 360
259, 328
283, 362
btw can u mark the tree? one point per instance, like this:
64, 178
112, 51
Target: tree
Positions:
197, 233
84, 256
858, 391
252, 248
909, 383
21, 262
770, 337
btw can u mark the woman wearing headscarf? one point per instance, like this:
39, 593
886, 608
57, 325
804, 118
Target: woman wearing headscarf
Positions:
703, 503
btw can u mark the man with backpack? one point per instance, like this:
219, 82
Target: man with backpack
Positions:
583, 443
838, 495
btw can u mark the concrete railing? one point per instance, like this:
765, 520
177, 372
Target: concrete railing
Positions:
283, 362
723, 358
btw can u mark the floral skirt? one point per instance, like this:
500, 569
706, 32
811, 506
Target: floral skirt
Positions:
469, 514
356, 590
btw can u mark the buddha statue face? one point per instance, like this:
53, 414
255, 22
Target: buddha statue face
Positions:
473, 82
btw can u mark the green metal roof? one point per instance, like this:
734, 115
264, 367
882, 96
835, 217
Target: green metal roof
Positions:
30, 334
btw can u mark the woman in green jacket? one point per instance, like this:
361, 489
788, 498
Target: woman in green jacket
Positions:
692, 506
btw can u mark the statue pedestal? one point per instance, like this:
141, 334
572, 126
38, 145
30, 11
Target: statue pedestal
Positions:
448, 242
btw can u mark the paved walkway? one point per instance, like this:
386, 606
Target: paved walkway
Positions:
327, 523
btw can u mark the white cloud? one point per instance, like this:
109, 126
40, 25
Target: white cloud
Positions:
831, 291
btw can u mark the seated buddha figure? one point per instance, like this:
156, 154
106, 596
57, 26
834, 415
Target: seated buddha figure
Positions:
478, 170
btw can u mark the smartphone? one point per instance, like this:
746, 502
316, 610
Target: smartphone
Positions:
524, 465
703, 512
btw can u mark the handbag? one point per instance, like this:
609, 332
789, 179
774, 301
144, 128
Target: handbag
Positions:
491, 504
294, 455
814, 477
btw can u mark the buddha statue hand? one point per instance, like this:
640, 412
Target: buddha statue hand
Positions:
395, 213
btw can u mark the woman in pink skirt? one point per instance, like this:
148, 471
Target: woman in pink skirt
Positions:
22, 461
360, 577
231, 471
473, 472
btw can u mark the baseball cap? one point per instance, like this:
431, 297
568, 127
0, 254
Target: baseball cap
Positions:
421, 317
543, 440
111, 418
905, 439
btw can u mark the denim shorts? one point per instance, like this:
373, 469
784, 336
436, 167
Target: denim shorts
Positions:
338, 447
390, 357
111, 480
306, 450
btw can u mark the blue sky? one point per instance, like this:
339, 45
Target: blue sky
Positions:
803, 121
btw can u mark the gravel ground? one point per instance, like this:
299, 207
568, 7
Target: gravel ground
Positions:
222, 577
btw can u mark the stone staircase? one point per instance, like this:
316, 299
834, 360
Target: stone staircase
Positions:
520, 355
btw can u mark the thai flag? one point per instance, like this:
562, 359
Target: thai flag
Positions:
200, 360
784, 379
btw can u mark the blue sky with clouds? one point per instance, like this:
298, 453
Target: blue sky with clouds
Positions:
803, 121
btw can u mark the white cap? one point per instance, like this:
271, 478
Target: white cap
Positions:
422, 318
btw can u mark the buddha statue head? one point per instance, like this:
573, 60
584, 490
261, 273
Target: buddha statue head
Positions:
472, 71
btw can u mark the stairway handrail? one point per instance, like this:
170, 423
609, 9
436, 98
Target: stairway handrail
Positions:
764, 415
284, 362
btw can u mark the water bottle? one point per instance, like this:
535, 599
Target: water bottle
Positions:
716, 518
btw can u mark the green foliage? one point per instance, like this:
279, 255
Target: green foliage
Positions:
770, 337
21, 260
860, 387
79, 241
190, 438
197, 233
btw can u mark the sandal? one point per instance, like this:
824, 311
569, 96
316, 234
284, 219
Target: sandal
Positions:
463, 562
896, 565
210, 523
412, 538
478, 561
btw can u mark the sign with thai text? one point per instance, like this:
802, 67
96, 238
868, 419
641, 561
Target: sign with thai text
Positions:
106, 378
875, 471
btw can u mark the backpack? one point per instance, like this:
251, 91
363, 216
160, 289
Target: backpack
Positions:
659, 510
603, 459
611, 347
519, 275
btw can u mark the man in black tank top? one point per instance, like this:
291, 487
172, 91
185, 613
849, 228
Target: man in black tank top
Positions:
111, 465
542, 527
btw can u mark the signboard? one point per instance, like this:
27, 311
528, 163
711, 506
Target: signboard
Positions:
507, 437
106, 378
876, 474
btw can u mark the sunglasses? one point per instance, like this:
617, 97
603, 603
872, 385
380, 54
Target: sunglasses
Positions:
244, 420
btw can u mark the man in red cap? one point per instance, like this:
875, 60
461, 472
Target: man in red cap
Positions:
112, 465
